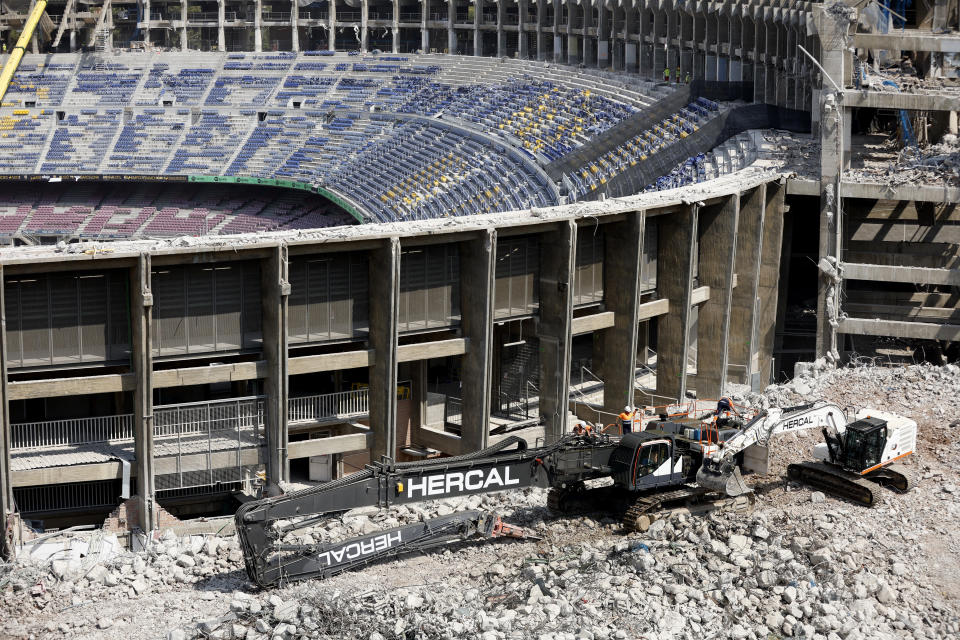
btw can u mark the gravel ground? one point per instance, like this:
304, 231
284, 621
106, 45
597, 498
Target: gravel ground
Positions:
802, 565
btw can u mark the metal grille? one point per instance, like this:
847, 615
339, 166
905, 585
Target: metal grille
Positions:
328, 298
67, 497
55, 319
588, 279
221, 429
429, 288
199, 309
517, 291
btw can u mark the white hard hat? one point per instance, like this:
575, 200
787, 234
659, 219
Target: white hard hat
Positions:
627, 408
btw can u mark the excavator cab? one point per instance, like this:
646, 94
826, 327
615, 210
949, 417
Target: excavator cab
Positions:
863, 444
647, 460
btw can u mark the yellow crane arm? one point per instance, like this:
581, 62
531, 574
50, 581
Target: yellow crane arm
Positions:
18, 50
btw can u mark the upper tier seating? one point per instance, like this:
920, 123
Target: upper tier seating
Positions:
399, 137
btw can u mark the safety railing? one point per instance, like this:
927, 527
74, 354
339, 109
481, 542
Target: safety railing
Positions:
74, 431
274, 16
232, 414
342, 404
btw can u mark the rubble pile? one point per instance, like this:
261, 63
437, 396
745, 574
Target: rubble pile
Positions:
802, 565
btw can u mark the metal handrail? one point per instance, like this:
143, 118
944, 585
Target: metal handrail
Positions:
355, 402
72, 431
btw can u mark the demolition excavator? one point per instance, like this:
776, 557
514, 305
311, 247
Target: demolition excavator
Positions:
670, 467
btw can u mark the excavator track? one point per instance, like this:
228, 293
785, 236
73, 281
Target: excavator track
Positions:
577, 499
687, 501
835, 480
894, 476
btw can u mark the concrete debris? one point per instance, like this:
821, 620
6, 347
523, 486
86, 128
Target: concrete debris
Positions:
802, 565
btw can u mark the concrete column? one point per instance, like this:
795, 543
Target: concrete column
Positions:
603, 37
589, 47
424, 32
332, 21
645, 29
522, 48
557, 264
183, 25
573, 56
557, 38
832, 32
659, 52
451, 32
294, 25
501, 36
477, 21
7, 506
221, 16
145, 35
141, 356
676, 251
275, 291
623, 247
396, 26
478, 262
541, 53
629, 46
257, 29
747, 267
718, 230
108, 42
765, 324
384, 296
364, 28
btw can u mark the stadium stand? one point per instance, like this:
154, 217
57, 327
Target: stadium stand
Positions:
396, 137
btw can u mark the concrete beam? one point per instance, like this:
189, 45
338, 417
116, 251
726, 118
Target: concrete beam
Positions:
478, 264
384, 297
879, 191
909, 40
911, 275
6, 480
435, 349
448, 443
653, 309
909, 101
699, 295
331, 362
141, 356
676, 251
717, 230
897, 329
331, 445
593, 322
275, 291
557, 264
623, 249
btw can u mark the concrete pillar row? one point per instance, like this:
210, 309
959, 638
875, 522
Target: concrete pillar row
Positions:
384, 299
275, 292
7, 505
141, 356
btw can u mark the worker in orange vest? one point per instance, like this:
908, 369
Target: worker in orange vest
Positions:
626, 419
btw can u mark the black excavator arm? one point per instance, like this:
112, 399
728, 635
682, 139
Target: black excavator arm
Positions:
262, 524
